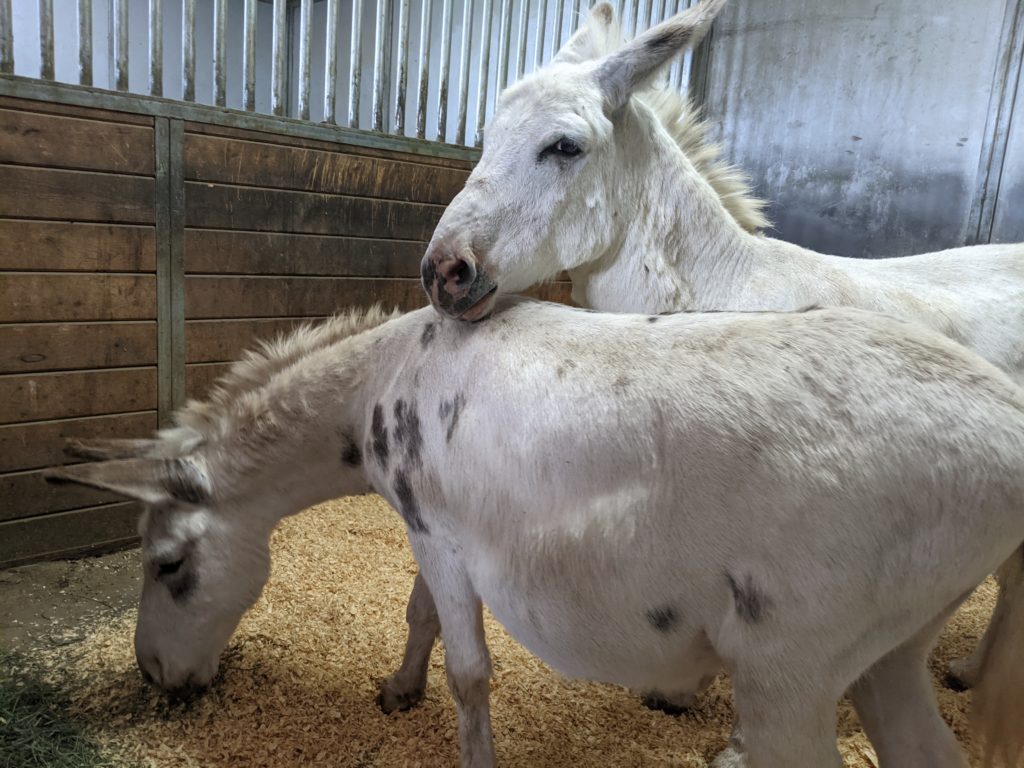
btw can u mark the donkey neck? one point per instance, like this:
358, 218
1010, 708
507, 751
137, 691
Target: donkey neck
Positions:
677, 247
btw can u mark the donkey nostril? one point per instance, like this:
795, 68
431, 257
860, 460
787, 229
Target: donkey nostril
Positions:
462, 272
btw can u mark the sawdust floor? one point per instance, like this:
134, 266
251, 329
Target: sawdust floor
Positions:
299, 678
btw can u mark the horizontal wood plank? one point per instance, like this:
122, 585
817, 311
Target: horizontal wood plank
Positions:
56, 245
59, 297
218, 341
259, 164
280, 297
560, 292
64, 534
69, 110
73, 346
26, 494
291, 140
45, 193
30, 138
270, 253
36, 397
213, 206
41, 444
199, 379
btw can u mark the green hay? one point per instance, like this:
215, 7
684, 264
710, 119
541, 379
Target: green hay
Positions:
36, 727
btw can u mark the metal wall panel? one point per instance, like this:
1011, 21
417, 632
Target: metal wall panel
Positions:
1008, 224
861, 121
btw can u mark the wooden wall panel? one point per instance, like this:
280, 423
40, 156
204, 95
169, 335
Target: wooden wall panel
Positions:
50, 296
70, 346
215, 206
38, 397
40, 444
215, 251
81, 531
260, 164
46, 193
222, 341
200, 377
245, 297
27, 494
70, 142
76, 247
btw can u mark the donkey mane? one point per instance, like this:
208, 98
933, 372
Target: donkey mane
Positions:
681, 118
240, 395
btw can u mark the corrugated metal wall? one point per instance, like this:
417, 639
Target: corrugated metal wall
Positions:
875, 128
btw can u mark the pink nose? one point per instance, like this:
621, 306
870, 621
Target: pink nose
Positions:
444, 270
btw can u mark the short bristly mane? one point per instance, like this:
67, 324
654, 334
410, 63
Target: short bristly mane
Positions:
236, 396
682, 120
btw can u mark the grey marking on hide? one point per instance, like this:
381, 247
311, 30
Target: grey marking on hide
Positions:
183, 481
182, 588
449, 412
652, 319
407, 430
408, 507
379, 434
751, 603
621, 383
429, 331
350, 454
663, 619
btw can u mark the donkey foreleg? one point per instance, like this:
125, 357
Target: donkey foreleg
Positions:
963, 673
405, 688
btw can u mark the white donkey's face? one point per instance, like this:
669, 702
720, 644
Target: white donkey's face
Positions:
547, 192
205, 559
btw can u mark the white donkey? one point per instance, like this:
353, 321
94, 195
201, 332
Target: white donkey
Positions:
802, 498
588, 168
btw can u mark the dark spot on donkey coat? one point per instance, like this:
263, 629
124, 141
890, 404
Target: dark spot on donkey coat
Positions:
408, 507
751, 603
449, 412
407, 431
379, 436
663, 619
351, 456
429, 332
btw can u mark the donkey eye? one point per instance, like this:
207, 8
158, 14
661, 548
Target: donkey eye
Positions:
167, 569
564, 147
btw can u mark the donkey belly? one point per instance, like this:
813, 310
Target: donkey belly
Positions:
606, 630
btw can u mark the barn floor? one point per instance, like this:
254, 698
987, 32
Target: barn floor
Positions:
298, 681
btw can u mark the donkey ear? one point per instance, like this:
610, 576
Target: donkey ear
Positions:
635, 64
593, 39
103, 449
152, 481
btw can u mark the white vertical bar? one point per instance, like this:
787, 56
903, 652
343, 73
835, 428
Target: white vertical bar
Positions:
464, 60
305, 35
524, 19
46, 39
84, 41
402, 83
634, 12
648, 13
504, 40
576, 16
380, 43
421, 102
445, 73
249, 55
277, 55
188, 51
7, 38
356, 59
485, 63
542, 25
220, 78
556, 35
156, 47
121, 42
331, 63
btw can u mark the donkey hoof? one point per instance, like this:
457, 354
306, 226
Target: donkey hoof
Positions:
391, 698
674, 706
960, 676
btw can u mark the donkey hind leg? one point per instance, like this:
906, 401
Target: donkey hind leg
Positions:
895, 701
963, 673
783, 725
405, 688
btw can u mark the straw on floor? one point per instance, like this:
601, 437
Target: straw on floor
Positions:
299, 679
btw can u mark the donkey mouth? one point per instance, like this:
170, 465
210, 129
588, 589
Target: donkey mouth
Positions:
482, 308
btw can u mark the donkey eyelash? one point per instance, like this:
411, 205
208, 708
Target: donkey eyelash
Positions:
563, 147
169, 569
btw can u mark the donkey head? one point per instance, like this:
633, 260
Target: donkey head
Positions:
545, 195
205, 540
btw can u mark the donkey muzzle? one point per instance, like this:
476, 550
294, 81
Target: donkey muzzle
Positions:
457, 285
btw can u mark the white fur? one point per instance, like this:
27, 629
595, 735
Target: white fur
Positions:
803, 497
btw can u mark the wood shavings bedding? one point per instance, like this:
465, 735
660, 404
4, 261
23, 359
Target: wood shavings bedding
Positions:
299, 679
